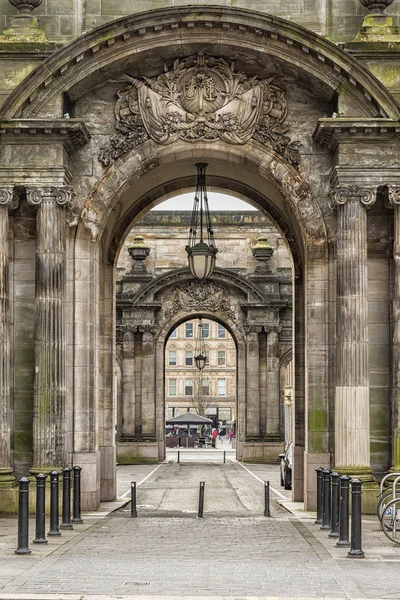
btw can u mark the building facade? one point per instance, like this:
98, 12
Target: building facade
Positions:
295, 109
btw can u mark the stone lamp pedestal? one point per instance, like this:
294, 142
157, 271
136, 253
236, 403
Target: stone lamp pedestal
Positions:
262, 252
24, 32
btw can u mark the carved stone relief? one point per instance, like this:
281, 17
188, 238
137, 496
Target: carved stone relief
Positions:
201, 296
201, 98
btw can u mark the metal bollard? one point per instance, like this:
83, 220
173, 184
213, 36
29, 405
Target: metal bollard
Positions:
77, 496
266, 499
224, 456
179, 457
66, 499
344, 485
201, 499
319, 472
40, 536
355, 549
23, 516
54, 530
133, 499
326, 507
334, 532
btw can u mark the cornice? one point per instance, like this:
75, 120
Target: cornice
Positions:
72, 131
331, 132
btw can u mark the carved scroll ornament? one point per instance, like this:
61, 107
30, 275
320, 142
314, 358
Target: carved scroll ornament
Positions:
201, 296
201, 99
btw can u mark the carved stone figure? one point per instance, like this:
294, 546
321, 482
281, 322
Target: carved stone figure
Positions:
200, 295
201, 98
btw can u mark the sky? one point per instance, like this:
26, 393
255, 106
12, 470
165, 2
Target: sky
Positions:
216, 201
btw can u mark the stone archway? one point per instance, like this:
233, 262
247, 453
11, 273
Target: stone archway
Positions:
147, 315
77, 397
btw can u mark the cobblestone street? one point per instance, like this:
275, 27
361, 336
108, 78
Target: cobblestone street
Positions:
233, 552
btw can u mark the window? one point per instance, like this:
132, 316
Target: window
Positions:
221, 358
174, 333
189, 330
205, 330
172, 358
205, 387
221, 332
171, 387
189, 358
188, 387
207, 358
221, 387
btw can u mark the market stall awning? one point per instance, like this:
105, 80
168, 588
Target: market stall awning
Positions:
189, 419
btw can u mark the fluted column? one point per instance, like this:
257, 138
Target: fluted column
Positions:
49, 419
394, 201
352, 429
148, 384
128, 385
253, 382
8, 199
273, 383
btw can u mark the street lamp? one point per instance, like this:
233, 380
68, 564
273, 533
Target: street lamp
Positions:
200, 349
201, 255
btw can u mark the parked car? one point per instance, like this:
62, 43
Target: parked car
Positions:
286, 467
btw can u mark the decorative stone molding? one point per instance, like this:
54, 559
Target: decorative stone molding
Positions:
201, 98
73, 132
63, 196
201, 296
331, 132
341, 195
9, 197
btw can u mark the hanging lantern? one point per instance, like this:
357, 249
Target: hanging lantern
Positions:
201, 248
200, 351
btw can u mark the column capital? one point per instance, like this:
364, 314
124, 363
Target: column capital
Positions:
272, 329
365, 195
392, 196
9, 197
63, 195
253, 329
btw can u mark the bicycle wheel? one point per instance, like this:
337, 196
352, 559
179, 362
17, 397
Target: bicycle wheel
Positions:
390, 521
384, 499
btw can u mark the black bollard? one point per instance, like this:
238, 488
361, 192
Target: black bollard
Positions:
201, 499
344, 485
66, 499
40, 537
133, 499
319, 472
326, 507
23, 516
334, 533
179, 457
54, 475
266, 499
77, 496
224, 456
355, 549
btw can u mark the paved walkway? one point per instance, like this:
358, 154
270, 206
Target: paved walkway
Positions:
233, 552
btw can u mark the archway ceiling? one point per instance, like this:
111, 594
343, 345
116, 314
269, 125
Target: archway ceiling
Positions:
129, 43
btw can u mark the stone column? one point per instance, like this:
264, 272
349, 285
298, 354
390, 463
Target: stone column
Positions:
8, 199
394, 201
352, 429
128, 385
273, 387
148, 385
253, 383
49, 419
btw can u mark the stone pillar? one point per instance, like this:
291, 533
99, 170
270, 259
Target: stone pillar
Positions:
352, 428
273, 387
8, 199
394, 201
128, 385
49, 420
148, 385
253, 383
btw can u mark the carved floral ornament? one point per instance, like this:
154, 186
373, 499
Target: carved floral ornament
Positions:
201, 296
393, 195
201, 98
341, 195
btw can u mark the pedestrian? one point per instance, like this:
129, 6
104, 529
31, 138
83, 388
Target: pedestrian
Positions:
230, 437
214, 436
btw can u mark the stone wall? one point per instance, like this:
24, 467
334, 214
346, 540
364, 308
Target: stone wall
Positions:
63, 20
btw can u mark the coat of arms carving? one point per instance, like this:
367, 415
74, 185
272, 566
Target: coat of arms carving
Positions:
197, 296
201, 98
